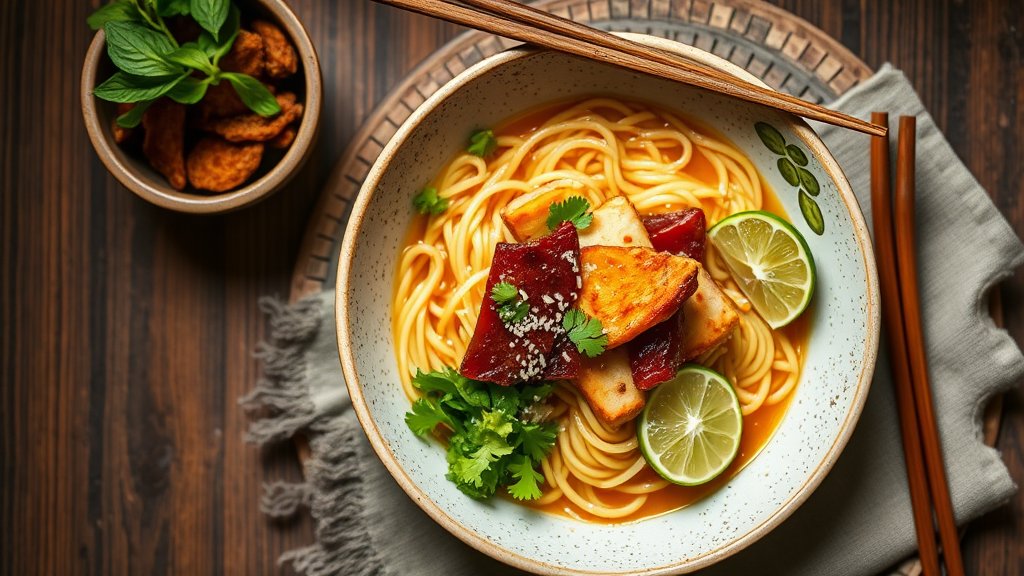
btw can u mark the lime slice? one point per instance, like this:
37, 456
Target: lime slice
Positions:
689, 431
770, 261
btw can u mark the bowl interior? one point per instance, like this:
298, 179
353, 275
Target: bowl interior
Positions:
277, 167
833, 386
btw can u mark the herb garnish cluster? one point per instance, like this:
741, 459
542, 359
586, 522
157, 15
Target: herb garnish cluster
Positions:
152, 64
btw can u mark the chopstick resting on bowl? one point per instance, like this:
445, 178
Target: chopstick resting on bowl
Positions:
526, 24
902, 318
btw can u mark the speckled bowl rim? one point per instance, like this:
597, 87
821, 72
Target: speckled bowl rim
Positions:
380, 445
285, 169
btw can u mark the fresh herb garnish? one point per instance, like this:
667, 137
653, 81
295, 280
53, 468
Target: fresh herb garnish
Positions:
489, 446
482, 143
512, 306
152, 63
572, 209
586, 333
428, 202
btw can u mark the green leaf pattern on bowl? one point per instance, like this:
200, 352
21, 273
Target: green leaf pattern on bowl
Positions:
791, 165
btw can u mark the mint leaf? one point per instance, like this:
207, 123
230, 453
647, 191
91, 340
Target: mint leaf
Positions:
128, 88
188, 91
428, 202
210, 14
528, 486
138, 50
191, 56
131, 118
482, 143
586, 333
425, 416
226, 38
121, 11
253, 93
572, 209
166, 8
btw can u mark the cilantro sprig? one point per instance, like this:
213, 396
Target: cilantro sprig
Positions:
482, 143
512, 306
586, 333
428, 202
152, 64
489, 446
572, 209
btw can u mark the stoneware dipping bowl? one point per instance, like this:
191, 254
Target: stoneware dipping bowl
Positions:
134, 171
838, 366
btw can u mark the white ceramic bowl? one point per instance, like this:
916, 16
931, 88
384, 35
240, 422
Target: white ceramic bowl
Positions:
839, 362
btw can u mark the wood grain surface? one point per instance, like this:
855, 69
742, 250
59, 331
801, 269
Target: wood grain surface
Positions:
126, 330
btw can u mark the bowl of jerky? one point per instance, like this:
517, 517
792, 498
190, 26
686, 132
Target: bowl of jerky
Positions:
201, 106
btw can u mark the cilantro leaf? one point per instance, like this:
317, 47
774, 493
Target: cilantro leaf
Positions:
512, 306
442, 382
536, 440
482, 143
503, 292
428, 202
425, 416
586, 333
572, 209
527, 488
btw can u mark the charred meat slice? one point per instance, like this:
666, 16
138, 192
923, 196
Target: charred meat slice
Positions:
546, 274
680, 233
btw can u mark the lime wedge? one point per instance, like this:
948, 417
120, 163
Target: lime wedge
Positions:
689, 431
770, 261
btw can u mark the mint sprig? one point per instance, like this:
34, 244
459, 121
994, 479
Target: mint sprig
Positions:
151, 63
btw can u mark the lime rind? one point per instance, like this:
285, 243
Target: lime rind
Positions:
686, 450
793, 274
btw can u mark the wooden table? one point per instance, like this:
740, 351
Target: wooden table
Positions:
127, 330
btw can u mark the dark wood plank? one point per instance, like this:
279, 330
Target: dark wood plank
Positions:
126, 330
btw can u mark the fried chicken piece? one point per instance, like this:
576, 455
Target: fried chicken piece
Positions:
121, 134
164, 144
284, 139
279, 54
221, 101
219, 166
255, 128
246, 55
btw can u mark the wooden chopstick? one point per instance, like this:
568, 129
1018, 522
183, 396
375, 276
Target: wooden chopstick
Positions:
905, 247
512, 23
512, 10
881, 214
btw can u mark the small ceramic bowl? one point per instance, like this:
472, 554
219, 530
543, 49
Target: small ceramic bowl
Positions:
839, 360
134, 171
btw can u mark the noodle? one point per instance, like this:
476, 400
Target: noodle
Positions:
611, 147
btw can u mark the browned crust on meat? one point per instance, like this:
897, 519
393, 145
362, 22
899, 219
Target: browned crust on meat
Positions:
246, 55
164, 144
279, 55
121, 135
255, 128
219, 166
284, 139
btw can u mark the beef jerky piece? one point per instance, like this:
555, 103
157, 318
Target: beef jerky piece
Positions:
279, 54
219, 166
121, 135
255, 128
246, 55
164, 144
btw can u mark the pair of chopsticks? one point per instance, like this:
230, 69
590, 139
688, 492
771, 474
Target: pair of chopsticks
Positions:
511, 19
897, 271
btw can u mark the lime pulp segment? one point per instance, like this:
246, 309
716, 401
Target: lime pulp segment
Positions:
690, 429
770, 261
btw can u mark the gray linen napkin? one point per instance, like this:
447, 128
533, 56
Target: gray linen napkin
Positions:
858, 521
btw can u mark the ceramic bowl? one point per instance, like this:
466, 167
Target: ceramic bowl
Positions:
134, 171
839, 362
